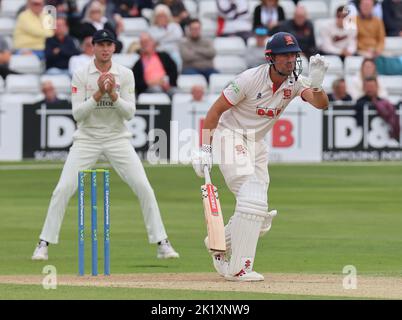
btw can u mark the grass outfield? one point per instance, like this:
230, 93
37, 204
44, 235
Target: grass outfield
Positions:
330, 215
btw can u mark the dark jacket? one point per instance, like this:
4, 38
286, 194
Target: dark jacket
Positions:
168, 64
392, 17
304, 35
68, 48
257, 16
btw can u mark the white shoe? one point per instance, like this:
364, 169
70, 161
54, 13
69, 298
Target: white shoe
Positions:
220, 264
40, 252
166, 251
245, 276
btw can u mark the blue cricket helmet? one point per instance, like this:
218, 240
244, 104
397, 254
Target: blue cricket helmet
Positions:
280, 43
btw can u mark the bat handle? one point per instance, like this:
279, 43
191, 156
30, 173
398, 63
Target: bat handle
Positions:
207, 176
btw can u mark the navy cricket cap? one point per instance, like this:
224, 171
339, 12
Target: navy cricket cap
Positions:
282, 42
103, 35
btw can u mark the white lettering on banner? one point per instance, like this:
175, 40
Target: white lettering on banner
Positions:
44, 113
347, 133
138, 126
60, 131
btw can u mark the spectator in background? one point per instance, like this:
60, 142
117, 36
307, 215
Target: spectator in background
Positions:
49, 93
268, 14
5, 55
178, 10
370, 31
384, 108
255, 54
198, 93
132, 8
94, 20
339, 92
337, 40
353, 8
87, 49
167, 33
392, 17
368, 69
109, 11
302, 28
154, 71
233, 19
30, 33
59, 49
197, 53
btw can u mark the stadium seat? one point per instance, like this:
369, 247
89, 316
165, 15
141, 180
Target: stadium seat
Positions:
153, 98
334, 4
251, 6
26, 83
229, 64
335, 65
9, 8
207, 9
134, 26
7, 26
393, 46
393, 84
191, 7
288, 7
26, 64
229, 46
127, 42
315, 9
186, 81
1, 85
318, 23
208, 27
81, 4
352, 64
217, 81
126, 59
328, 80
62, 83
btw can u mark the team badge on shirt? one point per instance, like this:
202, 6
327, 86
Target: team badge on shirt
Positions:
74, 89
287, 93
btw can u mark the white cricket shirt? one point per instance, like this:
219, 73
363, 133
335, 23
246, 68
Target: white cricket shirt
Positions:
256, 105
104, 119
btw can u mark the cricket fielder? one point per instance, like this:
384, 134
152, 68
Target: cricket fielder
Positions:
102, 100
252, 103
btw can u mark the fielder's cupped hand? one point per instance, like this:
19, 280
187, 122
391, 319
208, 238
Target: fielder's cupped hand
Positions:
317, 68
202, 158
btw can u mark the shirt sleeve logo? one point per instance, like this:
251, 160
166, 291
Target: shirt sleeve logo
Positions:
74, 89
287, 93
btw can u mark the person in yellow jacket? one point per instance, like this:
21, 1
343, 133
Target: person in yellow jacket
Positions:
32, 28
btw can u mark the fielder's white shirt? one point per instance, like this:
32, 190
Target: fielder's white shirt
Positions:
257, 105
104, 119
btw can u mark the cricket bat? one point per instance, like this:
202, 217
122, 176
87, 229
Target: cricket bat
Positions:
213, 215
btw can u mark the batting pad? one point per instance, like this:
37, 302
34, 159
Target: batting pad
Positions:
245, 225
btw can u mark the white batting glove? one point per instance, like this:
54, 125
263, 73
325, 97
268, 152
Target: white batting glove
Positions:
317, 68
201, 159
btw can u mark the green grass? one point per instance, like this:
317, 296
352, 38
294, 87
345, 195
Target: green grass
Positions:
330, 215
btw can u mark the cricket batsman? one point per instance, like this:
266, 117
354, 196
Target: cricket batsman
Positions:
103, 99
252, 103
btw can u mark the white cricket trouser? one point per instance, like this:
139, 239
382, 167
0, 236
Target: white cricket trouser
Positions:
123, 158
240, 159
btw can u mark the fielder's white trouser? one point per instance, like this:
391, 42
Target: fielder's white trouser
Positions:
245, 171
123, 158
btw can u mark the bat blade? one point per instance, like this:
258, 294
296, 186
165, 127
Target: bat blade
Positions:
213, 218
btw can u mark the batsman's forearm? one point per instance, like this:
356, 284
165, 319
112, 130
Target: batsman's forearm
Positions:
210, 124
320, 100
